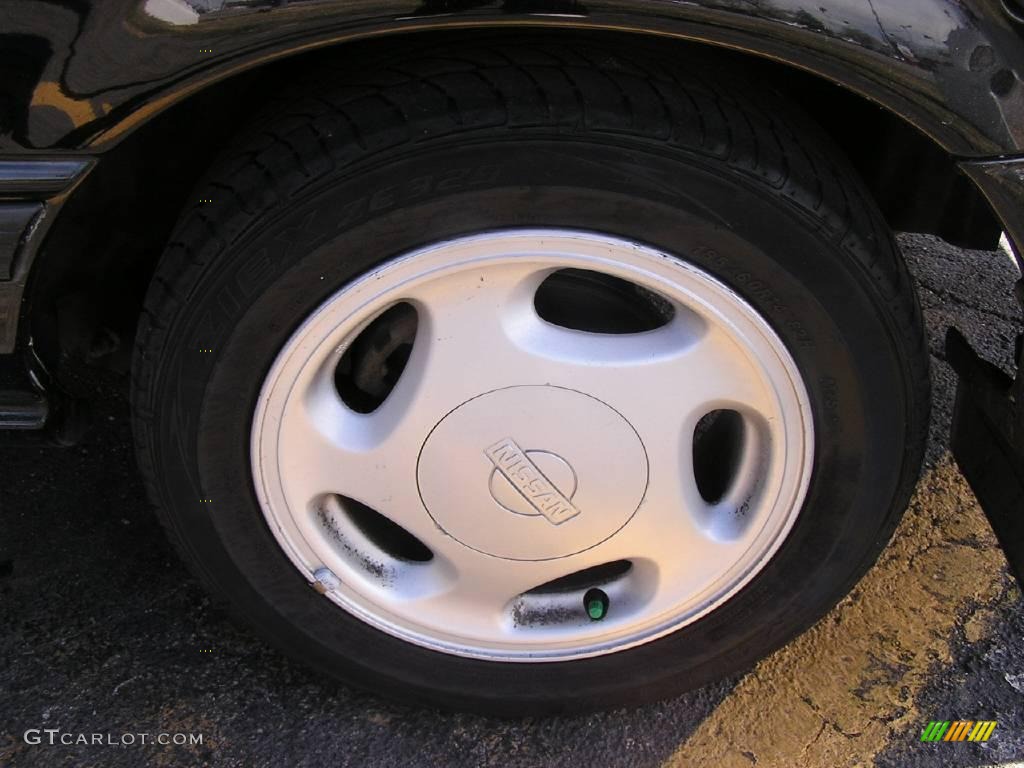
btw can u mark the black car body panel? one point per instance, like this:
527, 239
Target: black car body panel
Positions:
79, 77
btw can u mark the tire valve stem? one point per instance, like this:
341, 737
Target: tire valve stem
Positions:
595, 601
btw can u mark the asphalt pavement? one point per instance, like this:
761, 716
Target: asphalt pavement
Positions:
104, 634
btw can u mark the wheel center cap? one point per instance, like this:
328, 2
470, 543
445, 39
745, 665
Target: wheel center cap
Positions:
532, 472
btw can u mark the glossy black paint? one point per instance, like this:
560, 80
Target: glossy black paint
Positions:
80, 75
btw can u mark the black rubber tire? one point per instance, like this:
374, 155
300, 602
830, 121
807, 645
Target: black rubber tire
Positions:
681, 154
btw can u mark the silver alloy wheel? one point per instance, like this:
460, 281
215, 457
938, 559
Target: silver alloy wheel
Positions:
533, 462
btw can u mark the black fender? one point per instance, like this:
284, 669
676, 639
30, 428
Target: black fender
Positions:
80, 75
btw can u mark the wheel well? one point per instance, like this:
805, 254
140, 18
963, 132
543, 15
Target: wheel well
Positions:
88, 284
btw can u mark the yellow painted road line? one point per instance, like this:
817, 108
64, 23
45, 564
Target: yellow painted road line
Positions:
845, 690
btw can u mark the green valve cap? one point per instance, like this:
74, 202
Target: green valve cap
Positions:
596, 604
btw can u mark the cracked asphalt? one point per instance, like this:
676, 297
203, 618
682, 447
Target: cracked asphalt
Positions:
103, 631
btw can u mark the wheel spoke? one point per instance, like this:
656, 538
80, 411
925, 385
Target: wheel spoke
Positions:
677, 372
464, 344
325, 448
669, 529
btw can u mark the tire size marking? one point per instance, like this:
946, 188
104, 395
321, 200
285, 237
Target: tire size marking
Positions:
753, 288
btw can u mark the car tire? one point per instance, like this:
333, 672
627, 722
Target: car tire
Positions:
673, 167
